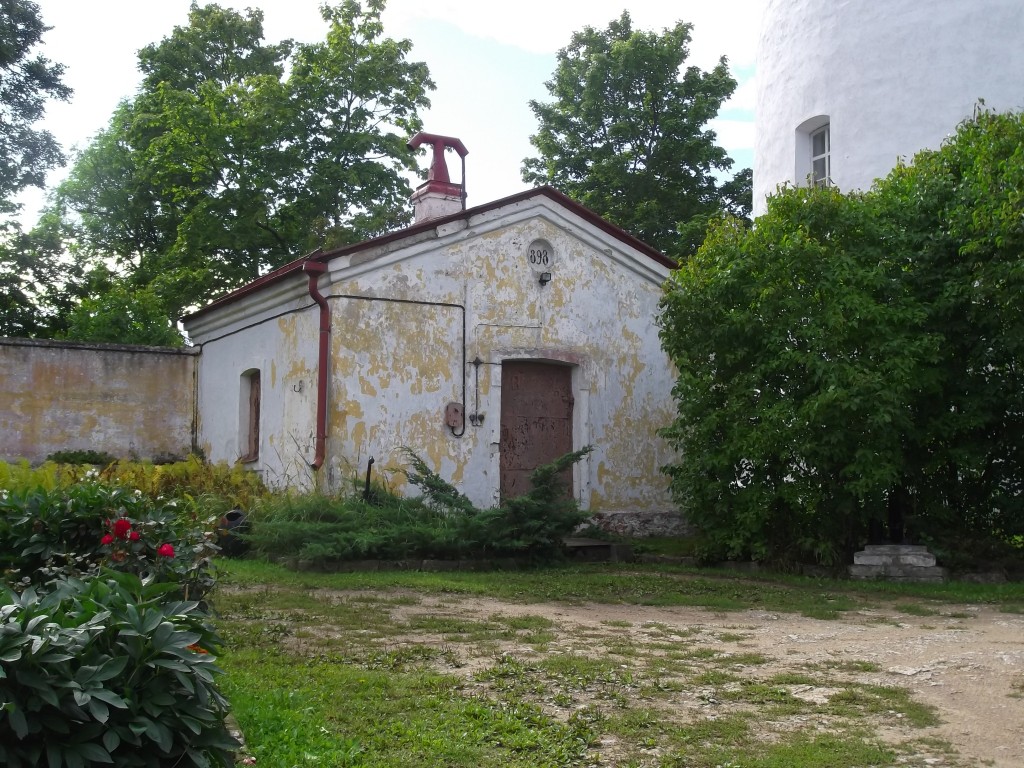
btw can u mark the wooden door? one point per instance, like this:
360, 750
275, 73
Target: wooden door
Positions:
536, 420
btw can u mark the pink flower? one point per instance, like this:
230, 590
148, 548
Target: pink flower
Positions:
107, 540
134, 536
165, 550
122, 526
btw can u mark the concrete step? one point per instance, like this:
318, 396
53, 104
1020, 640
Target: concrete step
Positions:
895, 554
896, 572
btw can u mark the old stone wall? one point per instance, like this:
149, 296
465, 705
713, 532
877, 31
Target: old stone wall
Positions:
128, 401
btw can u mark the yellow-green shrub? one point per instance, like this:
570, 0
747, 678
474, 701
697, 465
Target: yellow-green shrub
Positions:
188, 479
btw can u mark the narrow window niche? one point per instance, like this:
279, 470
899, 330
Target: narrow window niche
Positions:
249, 413
813, 161
821, 170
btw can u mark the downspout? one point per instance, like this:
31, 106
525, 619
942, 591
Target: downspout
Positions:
314, 269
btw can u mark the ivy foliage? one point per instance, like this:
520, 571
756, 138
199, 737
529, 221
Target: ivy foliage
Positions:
854, 362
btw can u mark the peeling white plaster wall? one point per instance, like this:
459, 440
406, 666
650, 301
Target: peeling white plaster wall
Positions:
395, 364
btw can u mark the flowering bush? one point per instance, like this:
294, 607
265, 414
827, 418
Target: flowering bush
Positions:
108, 671
73, 531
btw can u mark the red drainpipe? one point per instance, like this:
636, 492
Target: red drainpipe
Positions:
314, 269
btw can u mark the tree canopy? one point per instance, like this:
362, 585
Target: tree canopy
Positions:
854, 362
27, 81
236, 156
28, 262
626, 134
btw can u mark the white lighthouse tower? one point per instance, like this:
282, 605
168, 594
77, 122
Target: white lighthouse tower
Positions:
847, 87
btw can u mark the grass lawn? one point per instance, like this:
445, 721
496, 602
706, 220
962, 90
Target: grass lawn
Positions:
342, 670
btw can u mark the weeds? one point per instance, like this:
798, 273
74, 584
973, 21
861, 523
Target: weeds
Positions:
639, 694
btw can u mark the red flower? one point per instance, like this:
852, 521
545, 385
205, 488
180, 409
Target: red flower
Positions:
165, 550
134, 536
107, 540
121, 527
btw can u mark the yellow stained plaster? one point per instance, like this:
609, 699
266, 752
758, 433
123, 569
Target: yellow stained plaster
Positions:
366, 387
288, 326
357, 434
298, 370
494, 234
353, 408
489, 336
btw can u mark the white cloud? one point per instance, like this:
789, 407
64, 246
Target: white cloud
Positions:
723, 28
733, 135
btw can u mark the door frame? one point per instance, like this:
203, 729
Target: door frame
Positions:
580, 383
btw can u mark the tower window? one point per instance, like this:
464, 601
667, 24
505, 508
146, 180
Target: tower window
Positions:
821, 166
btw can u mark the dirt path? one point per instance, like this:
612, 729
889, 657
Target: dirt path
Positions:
966, 662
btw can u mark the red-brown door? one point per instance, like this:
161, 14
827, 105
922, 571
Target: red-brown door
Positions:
536, 420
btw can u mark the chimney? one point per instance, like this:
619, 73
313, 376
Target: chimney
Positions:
438, 196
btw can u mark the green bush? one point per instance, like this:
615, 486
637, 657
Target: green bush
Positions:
849, 370
441, 524
317, 527
228, 486
193, 481
73, 531
108, 671
96, 458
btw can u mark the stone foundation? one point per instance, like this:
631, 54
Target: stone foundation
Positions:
639, 525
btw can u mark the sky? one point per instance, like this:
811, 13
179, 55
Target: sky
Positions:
488, 59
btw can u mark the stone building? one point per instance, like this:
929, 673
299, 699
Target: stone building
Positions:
486, 340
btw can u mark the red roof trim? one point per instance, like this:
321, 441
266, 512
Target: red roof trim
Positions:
425, 226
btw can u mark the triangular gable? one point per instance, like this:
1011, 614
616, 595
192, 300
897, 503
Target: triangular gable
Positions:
408, 236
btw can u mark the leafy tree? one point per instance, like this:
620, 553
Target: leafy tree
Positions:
236, 156
798, 353
29, 266
26, 82
119, 313
626, 134
854, 362
958, 213
359, 100
40, 284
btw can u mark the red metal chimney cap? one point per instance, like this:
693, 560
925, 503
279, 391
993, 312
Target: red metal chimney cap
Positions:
438, 166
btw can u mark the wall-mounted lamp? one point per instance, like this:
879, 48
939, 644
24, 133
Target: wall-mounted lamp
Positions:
545, 278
